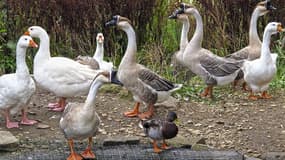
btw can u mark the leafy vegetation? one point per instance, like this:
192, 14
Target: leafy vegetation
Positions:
73, 25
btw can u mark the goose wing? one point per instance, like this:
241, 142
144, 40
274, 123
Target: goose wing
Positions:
155, 81
219, 67
239, 55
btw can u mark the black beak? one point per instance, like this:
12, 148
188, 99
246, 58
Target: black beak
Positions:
114, 78
174, 14
269, 6
111, 23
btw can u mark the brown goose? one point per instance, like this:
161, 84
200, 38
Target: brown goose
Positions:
213, 70
146, 86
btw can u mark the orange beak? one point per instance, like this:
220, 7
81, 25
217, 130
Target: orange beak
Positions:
27, 33
33, 44
279, 28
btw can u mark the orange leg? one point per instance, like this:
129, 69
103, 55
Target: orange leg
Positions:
147, 114
88, 154
235, 83
155, 147
265, 95
133, 113
25, 119
208, 92
10, 124
59, 106
73, 155
244, 86
164, 145
252, 96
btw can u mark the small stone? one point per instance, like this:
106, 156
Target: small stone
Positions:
195, 132
104, 115
32, 113
42, 126
8, 142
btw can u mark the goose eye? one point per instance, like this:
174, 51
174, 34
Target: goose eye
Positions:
31, 29
26, 39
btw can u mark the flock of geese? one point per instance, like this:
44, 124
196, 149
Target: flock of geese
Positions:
64, 77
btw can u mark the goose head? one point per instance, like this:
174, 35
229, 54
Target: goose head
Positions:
100, 38
26, 41
186, 8
274, 27
121, 22
178, 15
35, 31
264, 7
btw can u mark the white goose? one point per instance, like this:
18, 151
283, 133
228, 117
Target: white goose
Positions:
145, 85
80, 121
259, 72
17, 89
62, 76
99, 54
214, 70
98, 59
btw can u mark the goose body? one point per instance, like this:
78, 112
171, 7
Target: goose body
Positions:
146, 86
62, 76
80, 120
212, 69
160, 130
16, 89
259, 72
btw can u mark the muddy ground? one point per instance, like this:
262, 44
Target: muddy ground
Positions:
230, 122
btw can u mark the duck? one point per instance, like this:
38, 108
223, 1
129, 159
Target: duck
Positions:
177, 57
16, 89
60, 75
253, 49
160, 130
212, 69
258, 73
97, 61
145, 85
80, 120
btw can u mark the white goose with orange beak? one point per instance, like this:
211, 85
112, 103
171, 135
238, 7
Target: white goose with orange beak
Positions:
16, 89
259, 72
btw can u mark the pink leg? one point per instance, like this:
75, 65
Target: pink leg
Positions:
59, 106
10, 124
25, 119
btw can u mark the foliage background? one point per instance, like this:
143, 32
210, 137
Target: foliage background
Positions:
73, 25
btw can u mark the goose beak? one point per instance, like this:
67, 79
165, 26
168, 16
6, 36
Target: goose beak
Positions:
27, 33
269, 6
111, 23
280, 28
33, 44
114, 78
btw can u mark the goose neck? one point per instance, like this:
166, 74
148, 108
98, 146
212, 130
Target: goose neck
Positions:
253, 34
21, 66
91, 97
265, 50
99, 53
44, 49
184, 34
197, 38
130, 57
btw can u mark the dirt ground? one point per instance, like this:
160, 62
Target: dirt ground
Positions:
230, 122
